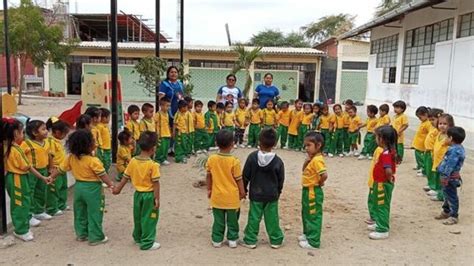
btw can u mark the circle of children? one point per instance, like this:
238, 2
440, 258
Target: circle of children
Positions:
36, 167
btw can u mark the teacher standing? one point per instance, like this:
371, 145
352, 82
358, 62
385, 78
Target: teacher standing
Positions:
267, 91
173, 89
229, 91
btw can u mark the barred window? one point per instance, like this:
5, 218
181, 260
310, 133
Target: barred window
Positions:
466, 25
353, 65
389, 74
386, 51
211, 64
420, 47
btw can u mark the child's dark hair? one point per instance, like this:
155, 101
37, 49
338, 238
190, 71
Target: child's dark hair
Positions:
384, 108
83, 121
133, 108
188, 99
32, 127
57, 125
243, 100
435, 112
124, 136
211, 104
353, 108
390, 138
307, 105
10, 125
255, 101
198, 103
457, 134
104, 113
325, 107
146, 107
224, 138
315, 137
284, 104
229, 103
220, 106
147, 140
349, 102
422, 110
298, 100
400, 104
449, 118
372, 109
165, 100
267, 138
270, 101
80, 142
336, 105
93, 112
182, 104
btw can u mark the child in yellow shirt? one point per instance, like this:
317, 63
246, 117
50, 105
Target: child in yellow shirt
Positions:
241, 122
384, 118
355, 124
124, 152
295, 120
133, 124
346, 138
200, 139
283, 124
163, 131
220, 107
419, 140
306, 120
369, 140
400, 124
324, 126
94, 114
433, 116
105, 154
181, 132
256, 119
270, 119
228, 117
190, 145
147, 123
337, 128
212, 125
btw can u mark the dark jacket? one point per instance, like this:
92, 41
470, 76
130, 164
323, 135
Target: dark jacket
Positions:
263, 183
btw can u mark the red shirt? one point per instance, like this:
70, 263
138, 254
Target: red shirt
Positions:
386, 160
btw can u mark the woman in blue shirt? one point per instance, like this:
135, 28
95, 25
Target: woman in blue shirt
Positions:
267, 91
172, 88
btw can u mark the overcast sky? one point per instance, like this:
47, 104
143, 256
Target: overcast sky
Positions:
205, 19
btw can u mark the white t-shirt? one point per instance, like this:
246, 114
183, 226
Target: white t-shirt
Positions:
235, 92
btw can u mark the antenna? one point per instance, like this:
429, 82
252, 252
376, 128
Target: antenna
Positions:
228, 34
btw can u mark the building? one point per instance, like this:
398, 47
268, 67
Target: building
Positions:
344, 70
423, 53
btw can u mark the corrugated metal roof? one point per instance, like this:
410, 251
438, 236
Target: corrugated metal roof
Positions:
200, 48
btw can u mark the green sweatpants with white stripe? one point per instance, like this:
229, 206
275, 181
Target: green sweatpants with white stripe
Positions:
254, 135
223, 218
56, 195
20, 201
38, 192
145, 219
89, 202
312, 213
420, 164
282, 135
381, 200
269, 211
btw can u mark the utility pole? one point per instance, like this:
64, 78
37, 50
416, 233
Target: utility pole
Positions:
114, 71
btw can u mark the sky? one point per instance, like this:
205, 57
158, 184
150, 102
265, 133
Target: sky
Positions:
205, 19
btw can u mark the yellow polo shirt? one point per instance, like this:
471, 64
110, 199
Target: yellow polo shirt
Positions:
269, 117
284, 118
16, 162
306, 119
147, 125
124, 155
162, 123
439, 150
86, 169
226, 171
313, 171
324, 121
106, 138
337, 121
371, 124
383, 121
228, 119
57, 150
346, 119
431, 138
375, 159
420, 135
354, 123
295, 121
181, 122
190, 121
256, 116
398, 122
36, 153
134, 127
95, 130
142, 172
199, 121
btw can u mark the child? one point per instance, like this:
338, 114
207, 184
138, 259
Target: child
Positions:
56, 193
314, 177
147, 123
384, 118
144, 174
212, 125
384, 167
83, 122
163, 131
270, 119
283, 124
449, 171
440, 147
433, 116
17, 169
369, 138
124, 152
324, 126
337, 128
305, 125
419, 139
295, 120
220, 107
241, 122
225, 189
256, 117
190, 145
264, 174
400, 124
181, 132
316, 117
228, 117
353, 130
94, 114
200, 137
105, 150
345, 135
38, 153
89, 200
133, 125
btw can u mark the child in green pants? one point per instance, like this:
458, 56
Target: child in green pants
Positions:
212, 125
181, 132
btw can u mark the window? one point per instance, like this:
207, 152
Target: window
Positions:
420, 47
466, 25
211, 64
386, 51
355, 65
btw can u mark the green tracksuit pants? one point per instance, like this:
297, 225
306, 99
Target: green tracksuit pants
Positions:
312, 214
269, 211
145, 219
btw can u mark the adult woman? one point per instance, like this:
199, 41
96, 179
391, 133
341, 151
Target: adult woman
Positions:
229, 91
266, 91
172, 88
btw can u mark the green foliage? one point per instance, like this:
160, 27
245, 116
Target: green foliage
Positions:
276, 38
32, 38
244, 61
386, 6
186, 79
150, 70
328, 26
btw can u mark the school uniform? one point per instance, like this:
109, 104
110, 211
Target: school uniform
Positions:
124, 155
143, 173
242, 117
56, 193
212, 126
256, 118
428, 156
164, 136
228, 121
270, 118
134, 127
383, 121
399, 121
337, 141
283, 124
200, 137
105, 154
147, 125
304, 127
192, 132
324, 122
369, 139
295, 121
370, 182
225, 201
419, 144
181, 123
97, 138
89, 199
439, 150
353, 129
345, 134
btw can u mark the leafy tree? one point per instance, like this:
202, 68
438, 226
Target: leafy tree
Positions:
277, 38
32, 38
244, 61
328, 26
186, 79
386, 6
295, 39
150, 70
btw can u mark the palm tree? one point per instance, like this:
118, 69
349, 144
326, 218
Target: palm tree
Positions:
244, 61
387, 6
328, 26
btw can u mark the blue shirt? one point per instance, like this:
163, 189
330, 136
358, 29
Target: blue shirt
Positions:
174, 92
452, 161
266, 93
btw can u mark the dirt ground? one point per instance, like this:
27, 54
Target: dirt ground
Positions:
185, 221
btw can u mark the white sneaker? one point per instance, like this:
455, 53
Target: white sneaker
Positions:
302, 238
185, 160
356, 153
58, 213
370, 157
68, 208
249, 146
250, 246
371, 227
426, 188
420, 174
235, 146
432, 193
275, 246
103, 241
347, 153
155, 246
242, 146
306, 245
341, 155
418, 170
232, 243
216, 244
378, 236
199, 151
435, 198
165, 162
34, 222
104, 185
43, 216
25, 237
361, 157
330, 155
213, 148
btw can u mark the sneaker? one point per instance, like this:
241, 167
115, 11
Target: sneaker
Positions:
165, 162
213, 148
58, 213
348, 153
103, 241
302, 238
369, 158
431, 193
435, 198
420, 174
249, 146
43, 216
199, 152
419, 170
235, 146
451, 221
330, 155
250, 246
232, 243
275, 246
34, 222
104, 185
372, 227
155, 246
341, 155
443, 215
361, 157
369, 221
68, 208
81, 238
216, 244
306, 245
242, 146
185, 161
356, 154
426, 188
378, 235
25, 237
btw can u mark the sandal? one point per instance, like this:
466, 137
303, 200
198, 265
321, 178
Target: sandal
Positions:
451, 221
442, 216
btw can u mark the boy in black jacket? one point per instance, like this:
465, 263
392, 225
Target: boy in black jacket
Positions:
264, 174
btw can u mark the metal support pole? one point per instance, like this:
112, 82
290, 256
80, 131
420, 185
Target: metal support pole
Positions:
157, 48
7, 46
114, 71
181, 33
